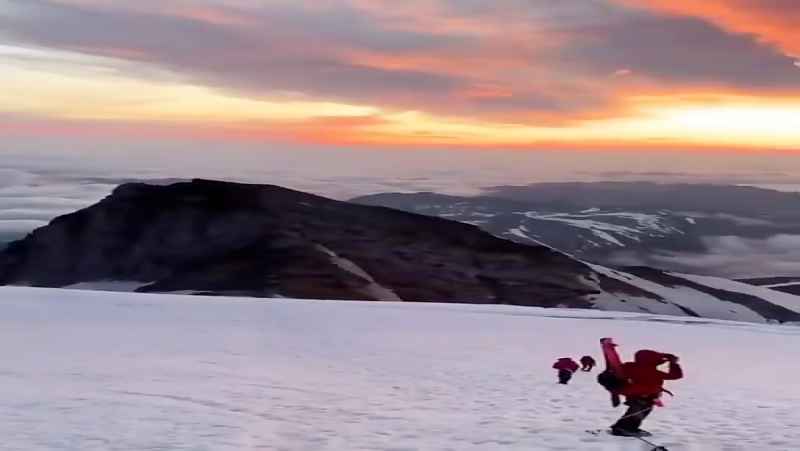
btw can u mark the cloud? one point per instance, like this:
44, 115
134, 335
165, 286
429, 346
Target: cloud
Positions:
31, 198
773, 21
729, 256
509, 59
292, 48
681, 50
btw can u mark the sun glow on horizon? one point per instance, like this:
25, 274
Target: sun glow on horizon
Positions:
94, 92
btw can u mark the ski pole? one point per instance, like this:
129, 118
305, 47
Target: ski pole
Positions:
635, 413
655, 447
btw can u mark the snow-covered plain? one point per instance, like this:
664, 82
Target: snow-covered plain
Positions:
121, 371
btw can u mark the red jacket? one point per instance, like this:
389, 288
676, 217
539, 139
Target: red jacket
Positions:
644, 377
566, 364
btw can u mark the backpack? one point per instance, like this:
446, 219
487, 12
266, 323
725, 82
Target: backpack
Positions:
611, 381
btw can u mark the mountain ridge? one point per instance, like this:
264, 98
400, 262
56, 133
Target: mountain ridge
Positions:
213, 237
695, 229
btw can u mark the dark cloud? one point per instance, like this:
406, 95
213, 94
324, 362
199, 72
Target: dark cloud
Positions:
681, 50
535, 102
289, 48
773, 21
561, 53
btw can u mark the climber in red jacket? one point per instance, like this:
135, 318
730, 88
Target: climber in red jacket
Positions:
565, 366
644, 385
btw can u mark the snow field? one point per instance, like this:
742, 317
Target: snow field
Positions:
123, 371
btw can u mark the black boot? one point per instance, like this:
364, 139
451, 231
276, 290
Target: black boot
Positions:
638, 410
618, 431
622, 432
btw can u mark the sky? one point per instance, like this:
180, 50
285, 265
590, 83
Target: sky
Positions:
350, 97
529, 75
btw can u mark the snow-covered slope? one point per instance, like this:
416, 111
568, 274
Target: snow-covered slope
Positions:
700, 296
678, 300
123, 371
789, 285
785, 300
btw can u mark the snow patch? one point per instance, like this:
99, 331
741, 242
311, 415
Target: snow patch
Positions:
108, 285
650, 225
522, 232
183, 292
373, 290
600, 229
781, 285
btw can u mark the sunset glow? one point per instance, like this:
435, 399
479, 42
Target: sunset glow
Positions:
367, 72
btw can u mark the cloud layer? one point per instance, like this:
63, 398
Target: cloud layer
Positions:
510, 58
36, 186
738, 257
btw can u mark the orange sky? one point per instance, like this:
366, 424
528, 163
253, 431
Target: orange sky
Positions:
509, 73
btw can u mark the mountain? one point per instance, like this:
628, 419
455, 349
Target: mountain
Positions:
585, 232
744, 201
226, 238
266, 240
713, 229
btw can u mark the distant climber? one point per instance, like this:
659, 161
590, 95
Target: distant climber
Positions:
587, 363
566, 367
642, 388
